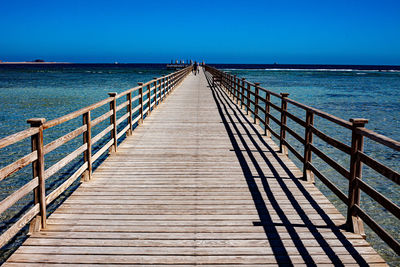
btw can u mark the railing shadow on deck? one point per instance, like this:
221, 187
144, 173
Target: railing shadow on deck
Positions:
226, 106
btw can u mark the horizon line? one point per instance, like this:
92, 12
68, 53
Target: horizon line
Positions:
213, 63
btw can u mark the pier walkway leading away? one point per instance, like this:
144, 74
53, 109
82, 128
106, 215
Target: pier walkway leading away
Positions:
196, 184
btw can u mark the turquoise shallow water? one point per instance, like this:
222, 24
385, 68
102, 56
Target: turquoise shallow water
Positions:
346, 94
52, 91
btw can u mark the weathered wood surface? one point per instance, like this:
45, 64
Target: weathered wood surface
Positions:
196, 183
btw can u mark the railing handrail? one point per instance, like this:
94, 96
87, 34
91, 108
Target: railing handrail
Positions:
162, 86
240, 90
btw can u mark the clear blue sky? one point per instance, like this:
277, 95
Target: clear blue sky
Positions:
315, 31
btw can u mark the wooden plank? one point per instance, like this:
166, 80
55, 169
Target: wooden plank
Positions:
102, 150
102, 134
380, 168
357, 243
177, 259
64, 139
122, 118
102, 117
59, 190
121, 106
17, 195
378, 138
17, 165
16, 227
14, 138
67, 159
75, 114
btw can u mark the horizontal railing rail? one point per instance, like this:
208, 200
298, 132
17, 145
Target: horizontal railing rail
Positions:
137, 108
248, 96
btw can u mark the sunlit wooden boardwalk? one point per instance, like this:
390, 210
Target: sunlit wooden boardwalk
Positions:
196, 184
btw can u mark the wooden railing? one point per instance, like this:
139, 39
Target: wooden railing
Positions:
248, 95
137, 105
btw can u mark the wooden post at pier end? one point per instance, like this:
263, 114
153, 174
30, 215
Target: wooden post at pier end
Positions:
353, 222
141, 102
282, 137
257, 94
87, 139
113, 121
38, 171
307, 173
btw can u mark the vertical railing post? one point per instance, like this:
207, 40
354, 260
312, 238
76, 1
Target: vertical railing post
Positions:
230, 89
155, 92
129, 110
38, 171
87, 139
282, 136
248, 99
307, 173
354, 223
242, 96
256, 100
113, 121
167, 86
141, 102
149, 98
267, 114
237, 90
162, 88
234, 87
228, 84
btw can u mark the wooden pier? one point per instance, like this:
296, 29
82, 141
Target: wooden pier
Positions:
196, 183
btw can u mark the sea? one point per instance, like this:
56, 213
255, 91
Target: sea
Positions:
346, 91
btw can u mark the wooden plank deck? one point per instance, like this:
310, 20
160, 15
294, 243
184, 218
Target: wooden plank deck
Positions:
196, 184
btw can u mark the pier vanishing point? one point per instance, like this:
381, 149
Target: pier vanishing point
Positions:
191, 178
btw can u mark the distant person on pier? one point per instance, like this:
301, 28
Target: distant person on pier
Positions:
195, 68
